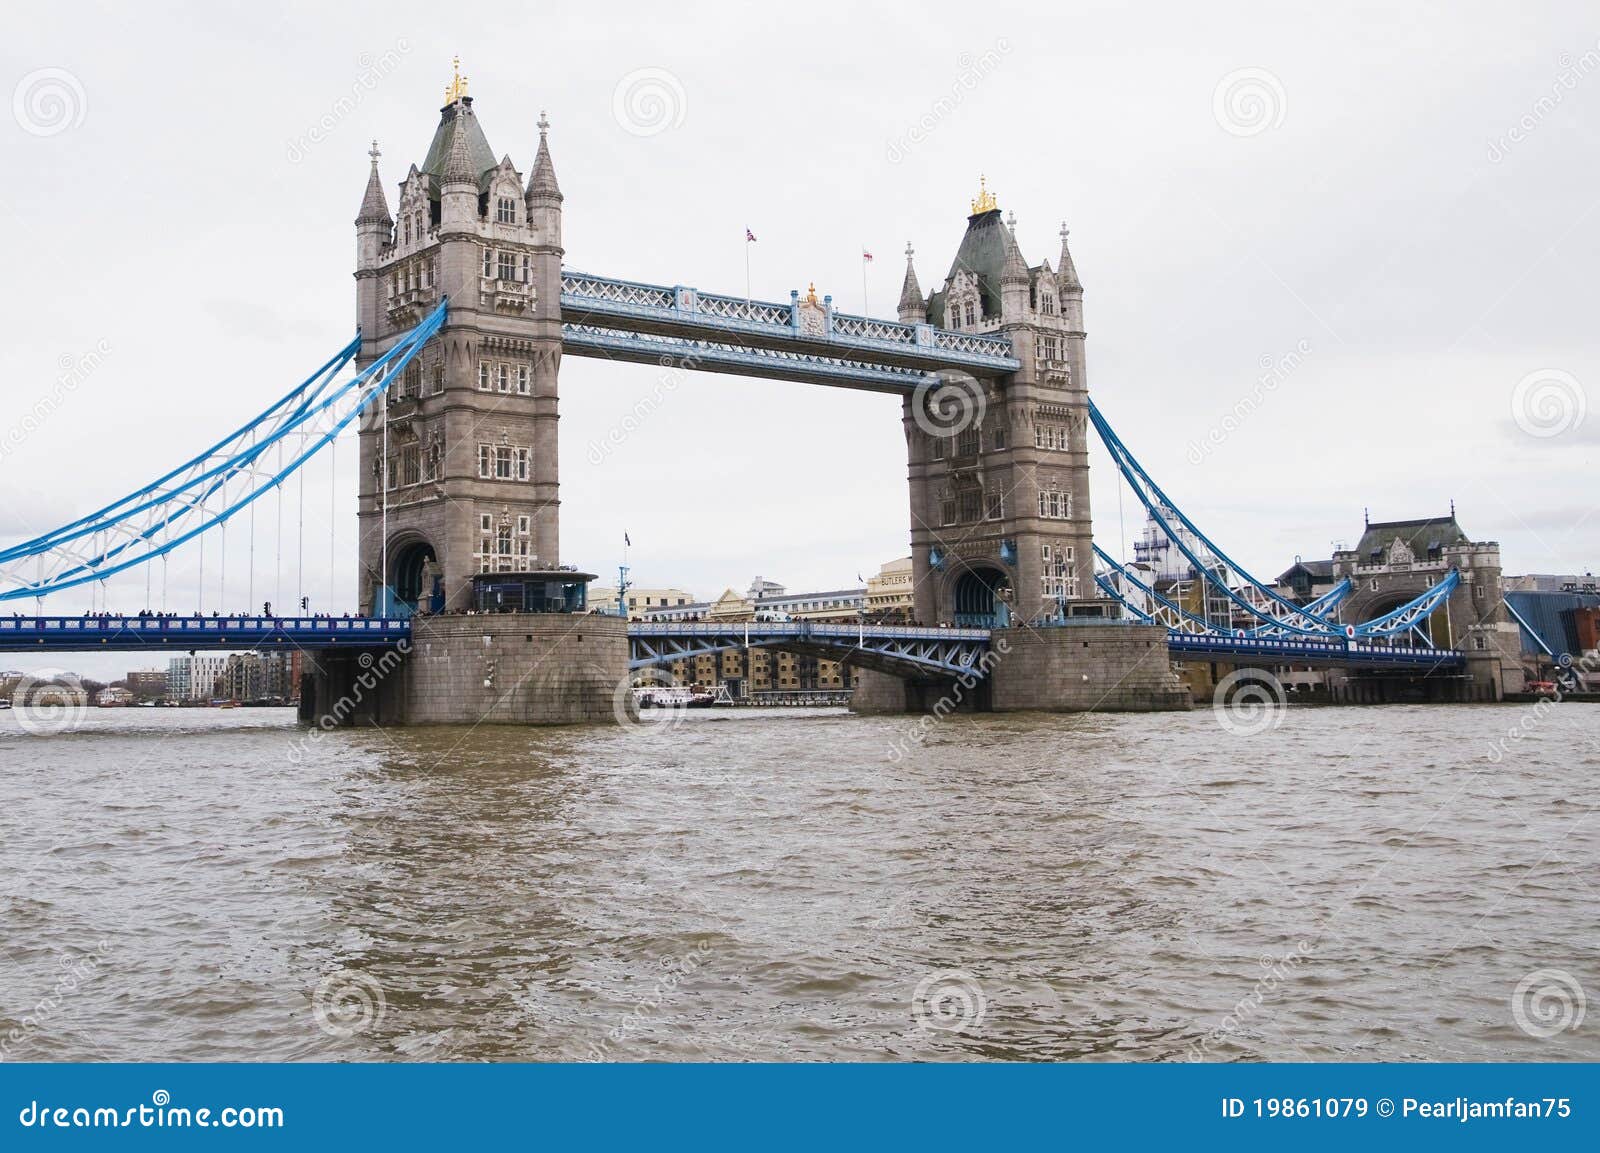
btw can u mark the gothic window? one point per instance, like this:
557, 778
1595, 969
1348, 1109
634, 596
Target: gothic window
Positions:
391, 472
971, 504
967, 312
488, 262
506, 210
947, 512
408, 230
527, 272
1055, 504
437, 378
997, 439
483, 375
502, 377
410, 464
997, 506
504, 462
967, 441
522, 463
523, 381
485, 461
413, 381
508, 266
936, 447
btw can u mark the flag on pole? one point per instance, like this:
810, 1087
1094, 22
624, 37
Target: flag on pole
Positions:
865, 255
626, 541
749, 237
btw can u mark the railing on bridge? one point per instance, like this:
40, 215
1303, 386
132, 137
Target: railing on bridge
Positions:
182, 633
680, 310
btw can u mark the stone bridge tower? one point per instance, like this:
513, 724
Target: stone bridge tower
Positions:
1000, 484
471, 469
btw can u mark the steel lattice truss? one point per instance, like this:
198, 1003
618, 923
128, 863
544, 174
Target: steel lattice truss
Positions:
904, 650
209, 489
1279, 616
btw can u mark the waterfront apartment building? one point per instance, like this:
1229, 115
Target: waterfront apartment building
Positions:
640, 600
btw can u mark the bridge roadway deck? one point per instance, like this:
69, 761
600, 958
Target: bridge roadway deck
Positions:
935, 649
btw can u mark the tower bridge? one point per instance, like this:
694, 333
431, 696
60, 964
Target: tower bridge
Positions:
466, 308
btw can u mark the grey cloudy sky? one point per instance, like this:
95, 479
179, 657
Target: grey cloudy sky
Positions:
1403, 201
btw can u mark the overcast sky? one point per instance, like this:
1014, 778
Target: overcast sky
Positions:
1401, 202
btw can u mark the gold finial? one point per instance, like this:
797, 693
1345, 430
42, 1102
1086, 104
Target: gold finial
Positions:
985, 201
374, 154
811, 293
544, 124
457, 88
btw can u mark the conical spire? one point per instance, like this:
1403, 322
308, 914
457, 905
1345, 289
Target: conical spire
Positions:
459, 168
1016, 268
374, 206
911, 292
542, 180
1067, 274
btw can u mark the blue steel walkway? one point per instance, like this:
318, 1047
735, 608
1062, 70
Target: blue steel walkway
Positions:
186, 633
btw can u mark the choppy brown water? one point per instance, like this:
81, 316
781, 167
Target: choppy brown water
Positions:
1354, 884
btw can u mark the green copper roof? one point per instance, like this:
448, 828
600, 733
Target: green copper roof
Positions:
459, 113
982, 251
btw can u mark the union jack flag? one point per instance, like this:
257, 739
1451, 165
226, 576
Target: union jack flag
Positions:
865, 255
749, 237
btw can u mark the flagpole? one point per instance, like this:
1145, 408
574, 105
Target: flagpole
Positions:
865, 308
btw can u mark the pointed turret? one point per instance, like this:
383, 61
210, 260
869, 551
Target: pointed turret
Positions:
1067, 276
458, 166
542, 180
543, 198
1015, 280
374, 205
458, 182
913, 309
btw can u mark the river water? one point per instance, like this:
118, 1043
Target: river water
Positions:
1347, 884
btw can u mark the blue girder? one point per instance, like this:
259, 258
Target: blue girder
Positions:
954, 651
186, 633
687, 313
116, 531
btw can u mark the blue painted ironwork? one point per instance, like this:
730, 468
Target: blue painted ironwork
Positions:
1305, 651
1278, 614
785, 364
123, 534
187, 633
683, 312
955, 651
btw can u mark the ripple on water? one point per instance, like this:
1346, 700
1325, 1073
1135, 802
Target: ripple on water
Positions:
1351, 885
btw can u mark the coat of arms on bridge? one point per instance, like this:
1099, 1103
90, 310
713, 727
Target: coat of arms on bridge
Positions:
813, 314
